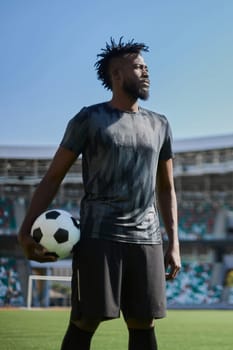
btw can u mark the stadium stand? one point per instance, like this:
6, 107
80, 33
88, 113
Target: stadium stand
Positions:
193, 286
10, 286
197, 217
203, 171
7, 217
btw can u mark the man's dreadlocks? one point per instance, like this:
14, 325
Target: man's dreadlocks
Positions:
114, 50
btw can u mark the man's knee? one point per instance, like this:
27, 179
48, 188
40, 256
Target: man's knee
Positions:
139, 324
87, 325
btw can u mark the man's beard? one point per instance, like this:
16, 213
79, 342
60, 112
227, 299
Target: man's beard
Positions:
136, 91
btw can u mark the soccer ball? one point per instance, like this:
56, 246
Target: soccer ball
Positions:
57, 231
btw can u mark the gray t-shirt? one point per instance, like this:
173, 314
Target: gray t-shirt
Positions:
120, 153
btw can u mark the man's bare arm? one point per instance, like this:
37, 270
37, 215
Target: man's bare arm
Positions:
168, 207
41, 199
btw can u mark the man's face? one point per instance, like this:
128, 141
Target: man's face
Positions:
135, 77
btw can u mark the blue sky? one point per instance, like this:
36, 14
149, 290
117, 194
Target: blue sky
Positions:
49, 47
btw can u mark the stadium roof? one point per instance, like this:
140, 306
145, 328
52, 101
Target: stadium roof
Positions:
27, 152
203, 143
195, 144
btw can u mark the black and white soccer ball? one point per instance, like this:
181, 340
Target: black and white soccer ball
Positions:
57, 231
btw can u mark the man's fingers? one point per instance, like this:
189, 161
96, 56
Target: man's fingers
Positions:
40, 254
172, 273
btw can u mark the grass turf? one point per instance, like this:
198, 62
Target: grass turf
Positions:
181, 330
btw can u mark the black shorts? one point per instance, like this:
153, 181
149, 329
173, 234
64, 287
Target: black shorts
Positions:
109, 277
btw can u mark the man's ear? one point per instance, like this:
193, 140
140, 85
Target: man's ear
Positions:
116, 75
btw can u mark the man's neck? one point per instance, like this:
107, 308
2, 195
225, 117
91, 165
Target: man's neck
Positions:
124, 104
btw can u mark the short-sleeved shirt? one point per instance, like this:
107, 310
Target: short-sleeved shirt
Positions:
120, 154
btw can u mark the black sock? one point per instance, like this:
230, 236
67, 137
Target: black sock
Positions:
76, 339
142, 339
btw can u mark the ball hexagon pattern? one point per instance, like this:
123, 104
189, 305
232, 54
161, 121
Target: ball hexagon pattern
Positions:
61, 235
57, 231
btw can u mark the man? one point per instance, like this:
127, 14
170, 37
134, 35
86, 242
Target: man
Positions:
118, 265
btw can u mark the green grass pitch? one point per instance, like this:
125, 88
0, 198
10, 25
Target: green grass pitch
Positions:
180, 330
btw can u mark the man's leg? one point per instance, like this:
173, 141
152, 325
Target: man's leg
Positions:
78, 335
143, 294
141, 335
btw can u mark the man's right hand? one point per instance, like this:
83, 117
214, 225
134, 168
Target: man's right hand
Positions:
35, 251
